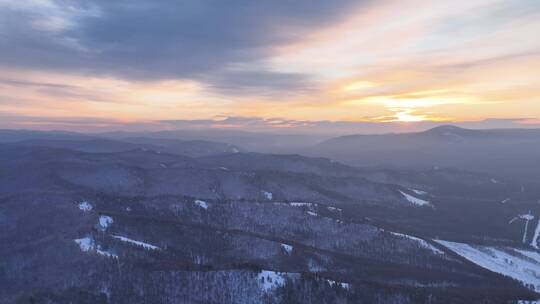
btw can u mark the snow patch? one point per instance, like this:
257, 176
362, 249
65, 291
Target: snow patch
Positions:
420, 242
333, 209
86, 243
269, 280
201, 204
85, 206
312, 213
340, 284
268, 195
105, 221
136, 243
525, 270
415, 200
287, 248
419, 192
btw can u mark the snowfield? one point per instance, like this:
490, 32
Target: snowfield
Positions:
420, 242
136, 243
415, 200
521, 265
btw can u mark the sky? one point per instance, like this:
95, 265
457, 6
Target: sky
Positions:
269, 65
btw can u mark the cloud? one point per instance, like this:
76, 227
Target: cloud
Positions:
203, 40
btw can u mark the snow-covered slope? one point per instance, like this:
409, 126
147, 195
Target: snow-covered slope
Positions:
521, 265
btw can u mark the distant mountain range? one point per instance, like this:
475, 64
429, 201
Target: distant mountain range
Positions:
100, 144
510, 152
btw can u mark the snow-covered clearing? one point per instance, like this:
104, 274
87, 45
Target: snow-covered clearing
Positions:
518, 264
271, 279
415, 200
420, 242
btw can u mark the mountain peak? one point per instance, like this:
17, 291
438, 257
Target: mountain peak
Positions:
445, 129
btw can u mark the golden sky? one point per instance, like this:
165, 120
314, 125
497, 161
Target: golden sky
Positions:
368, 61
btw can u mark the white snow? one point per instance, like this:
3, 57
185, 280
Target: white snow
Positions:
287, 248
534, 241
137, 243
494, 181
505, 201
312, 213
420, 242
300, 204
107, 254
235, 150
528, 216
105, 221
268, 195
530, 254
415, 200
270, 279
201, 204
85, 206
341, 284
86, 243
333, 209
223, 168
525, 270
419, 192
